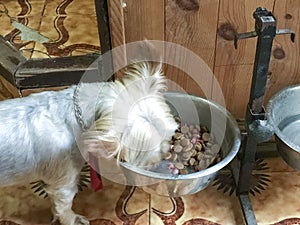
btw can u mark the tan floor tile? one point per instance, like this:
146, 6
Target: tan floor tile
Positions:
82, 7
208, 205
277, 164
21, 9
280, 200
40, 51
85, 31
69, 36
29, 14
86, 7
25, 12
113, 201
13, 9
35, 7
73, 32
72, 27
21, 205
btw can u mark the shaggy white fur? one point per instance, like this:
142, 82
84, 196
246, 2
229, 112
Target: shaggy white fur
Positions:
128, 119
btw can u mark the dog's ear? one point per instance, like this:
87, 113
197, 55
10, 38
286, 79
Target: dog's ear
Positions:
101, 147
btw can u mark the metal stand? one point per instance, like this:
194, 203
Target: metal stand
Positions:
265, 30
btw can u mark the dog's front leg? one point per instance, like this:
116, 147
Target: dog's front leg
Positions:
62, 196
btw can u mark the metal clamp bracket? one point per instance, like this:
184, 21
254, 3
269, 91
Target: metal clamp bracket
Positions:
264, 19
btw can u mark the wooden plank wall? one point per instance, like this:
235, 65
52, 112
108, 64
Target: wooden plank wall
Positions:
207, 28
233, 67
193, 25
285, 66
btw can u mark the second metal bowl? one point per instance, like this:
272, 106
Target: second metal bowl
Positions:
283, 113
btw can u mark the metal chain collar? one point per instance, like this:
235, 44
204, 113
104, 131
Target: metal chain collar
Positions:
77, 109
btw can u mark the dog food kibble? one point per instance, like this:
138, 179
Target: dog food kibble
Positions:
179, 165
193, 148
205, 136
177, 148
185, 129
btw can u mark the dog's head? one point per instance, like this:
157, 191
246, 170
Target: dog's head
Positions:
135, 123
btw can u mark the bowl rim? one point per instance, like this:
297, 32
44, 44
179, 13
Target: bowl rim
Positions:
269, 113
202, 173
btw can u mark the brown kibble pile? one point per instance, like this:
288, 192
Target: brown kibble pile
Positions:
193, 148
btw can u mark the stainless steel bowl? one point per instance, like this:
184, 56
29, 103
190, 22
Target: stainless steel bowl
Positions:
194, 110
283, 113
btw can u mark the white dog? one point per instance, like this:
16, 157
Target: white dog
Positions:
127, 119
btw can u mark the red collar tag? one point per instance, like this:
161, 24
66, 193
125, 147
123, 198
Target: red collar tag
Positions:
96, 182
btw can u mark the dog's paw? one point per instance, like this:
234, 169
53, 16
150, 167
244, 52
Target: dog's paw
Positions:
55, 221
81, 220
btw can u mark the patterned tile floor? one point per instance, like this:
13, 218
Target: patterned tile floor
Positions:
71, 26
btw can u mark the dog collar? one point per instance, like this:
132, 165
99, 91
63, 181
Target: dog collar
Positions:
77, 109
96, 183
